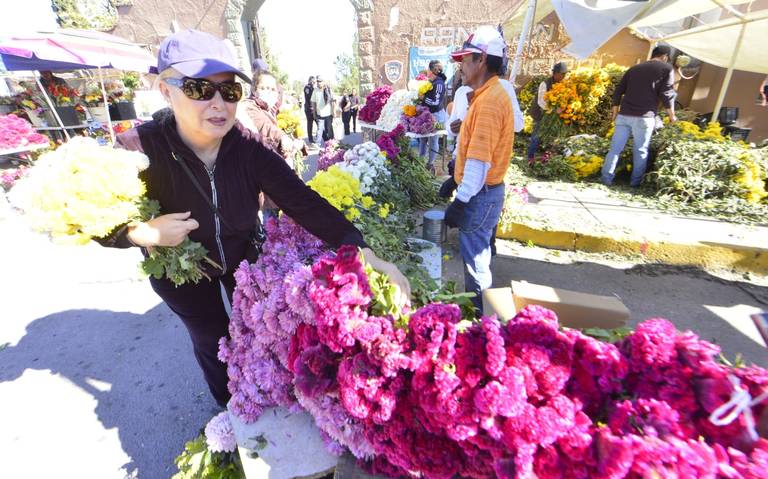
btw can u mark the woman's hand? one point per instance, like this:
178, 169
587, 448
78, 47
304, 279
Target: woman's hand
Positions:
165, 230
395, 276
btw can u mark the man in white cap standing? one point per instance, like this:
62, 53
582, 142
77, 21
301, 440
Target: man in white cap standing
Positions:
484, 151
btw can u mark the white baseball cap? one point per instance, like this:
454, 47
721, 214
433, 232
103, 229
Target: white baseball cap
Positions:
485, 39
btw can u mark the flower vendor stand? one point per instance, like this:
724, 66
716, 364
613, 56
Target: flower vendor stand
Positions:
282, 445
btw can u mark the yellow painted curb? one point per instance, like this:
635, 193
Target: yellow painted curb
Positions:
549, 239
708, 255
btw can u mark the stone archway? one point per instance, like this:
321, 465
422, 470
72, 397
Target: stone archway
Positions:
237, 13
364, 10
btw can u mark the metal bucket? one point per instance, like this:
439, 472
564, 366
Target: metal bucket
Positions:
434, 229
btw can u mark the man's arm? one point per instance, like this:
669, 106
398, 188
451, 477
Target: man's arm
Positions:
668, 94
621, 88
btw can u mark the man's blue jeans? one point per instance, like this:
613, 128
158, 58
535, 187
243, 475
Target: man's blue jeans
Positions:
641, 129
480, 218
533, 146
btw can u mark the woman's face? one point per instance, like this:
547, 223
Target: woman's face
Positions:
202, 119
267, 90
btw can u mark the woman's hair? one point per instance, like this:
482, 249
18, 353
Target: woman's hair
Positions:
167, 73
257, 77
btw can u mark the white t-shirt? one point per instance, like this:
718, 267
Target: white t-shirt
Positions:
323, 108
461, 106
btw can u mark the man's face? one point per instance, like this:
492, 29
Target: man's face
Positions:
471, 68
558, 77
320, 84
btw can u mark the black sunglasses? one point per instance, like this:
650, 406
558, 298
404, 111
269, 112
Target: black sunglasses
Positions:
203, 90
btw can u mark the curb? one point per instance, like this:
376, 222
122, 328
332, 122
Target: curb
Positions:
703, 254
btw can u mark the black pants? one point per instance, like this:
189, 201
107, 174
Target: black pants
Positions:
201, 309
328, 128
345, 117
310, 125
354, 120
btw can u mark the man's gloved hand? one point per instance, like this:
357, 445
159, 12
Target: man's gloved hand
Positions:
454, 214
447, 188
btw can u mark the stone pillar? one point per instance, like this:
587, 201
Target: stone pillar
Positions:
365, 37
233, 15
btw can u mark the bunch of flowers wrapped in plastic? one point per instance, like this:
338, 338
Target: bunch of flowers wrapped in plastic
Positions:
366, 164
418, 120
331, 154
425, 393
392, 111
83, 191
16, 133
374, 102
289, 121
269, 304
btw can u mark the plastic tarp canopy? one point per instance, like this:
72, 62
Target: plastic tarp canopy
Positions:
581, 17
717, 43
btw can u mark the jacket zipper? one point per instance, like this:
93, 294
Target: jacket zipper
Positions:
216, 218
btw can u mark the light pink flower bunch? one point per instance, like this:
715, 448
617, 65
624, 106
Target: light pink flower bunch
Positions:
17, 133
331, 154
269, 303
219, 434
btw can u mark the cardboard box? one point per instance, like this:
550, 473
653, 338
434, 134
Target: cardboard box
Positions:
573, 309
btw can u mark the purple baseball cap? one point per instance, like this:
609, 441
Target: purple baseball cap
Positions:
197, 54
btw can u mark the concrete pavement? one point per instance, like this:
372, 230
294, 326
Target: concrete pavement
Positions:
586, 217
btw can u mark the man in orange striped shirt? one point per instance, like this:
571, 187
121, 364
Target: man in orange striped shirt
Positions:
484, 151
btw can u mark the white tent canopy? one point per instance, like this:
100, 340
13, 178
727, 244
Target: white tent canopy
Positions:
580, 17
733, 40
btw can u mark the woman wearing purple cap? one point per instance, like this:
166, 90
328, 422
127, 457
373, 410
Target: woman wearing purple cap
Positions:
207, 172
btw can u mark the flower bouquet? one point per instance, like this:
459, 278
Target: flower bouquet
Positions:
16, 133
34, 107
213, 453
83, 191
374, 102
392, 111
418, 120
432, 393
94, 100
65, 100
289, 121
9, 177
331, 154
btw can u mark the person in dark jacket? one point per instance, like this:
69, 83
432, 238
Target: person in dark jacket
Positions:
539, 105
635, 102
232, 166
354, 102
346, 111
435, 100
309, 88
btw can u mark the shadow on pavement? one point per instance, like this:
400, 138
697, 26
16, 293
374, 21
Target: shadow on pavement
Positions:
157, 399
687, 296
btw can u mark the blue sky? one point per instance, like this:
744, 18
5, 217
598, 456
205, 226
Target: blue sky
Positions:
307, 35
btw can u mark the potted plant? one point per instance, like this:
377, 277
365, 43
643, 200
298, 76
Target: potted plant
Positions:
94, 100
65, 100
121, 99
